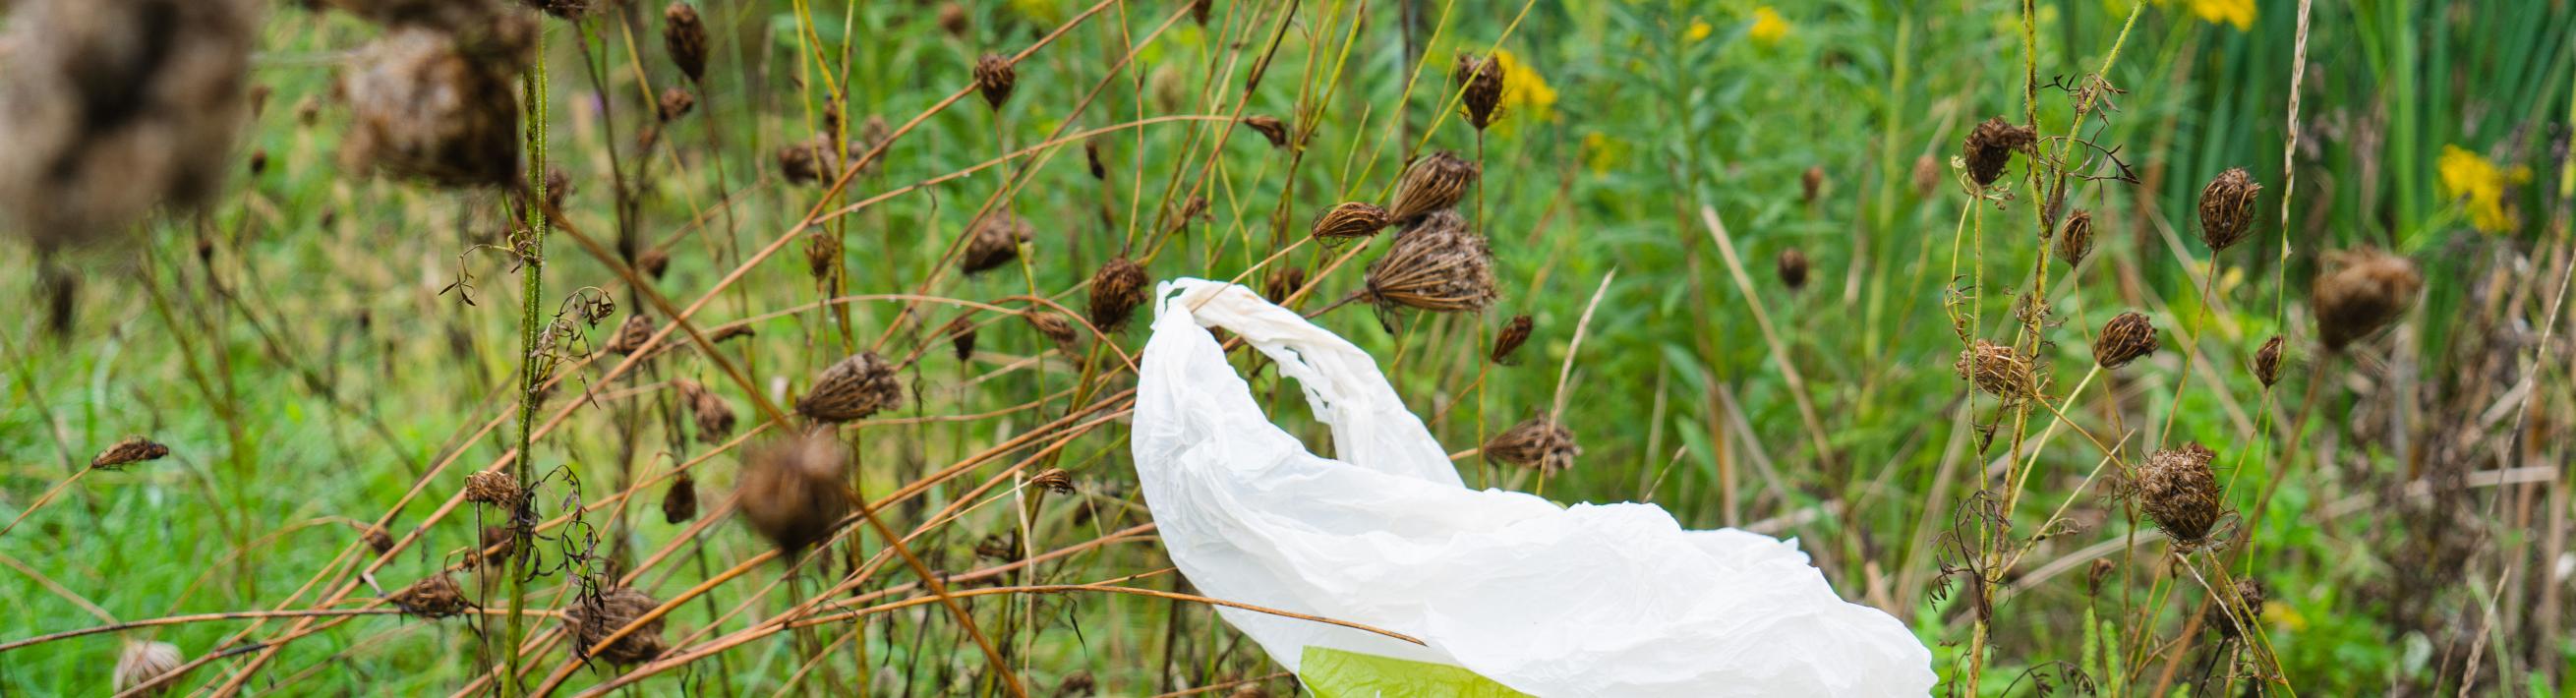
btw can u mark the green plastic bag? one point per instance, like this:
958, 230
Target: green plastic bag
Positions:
1331, 673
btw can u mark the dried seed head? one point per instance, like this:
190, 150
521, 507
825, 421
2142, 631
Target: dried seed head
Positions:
2227, 209
1537, 442
2361, 291
793, 491
1991, 146
954, 20
822, 254
653, 262
729, 332
1091, 154
562, 9
434, 596
594, 619
2244, 612
141, 662
1438, 265
1054, 327
685, 38
861, 385
1793, 268
1998, 370
680, 503
426, 107
1927, 175
1435, 183
1080, 683
2075, 241
2178, 490
134, 449
258, 162
1508, 340
378, 540
1199, 10
631, 335
993, 241
1271, 128
1116, 290
496, 545
1349, 221
2267, 362
714, 417
1284, 281
2125, 338
995, 77
1480, 82
2101, 570
961, 337
492, 487
1812, 184
1054, 480
676, 103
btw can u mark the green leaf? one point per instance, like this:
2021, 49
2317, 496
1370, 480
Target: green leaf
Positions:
1332, 673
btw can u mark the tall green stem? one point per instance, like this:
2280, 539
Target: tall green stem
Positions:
532, 284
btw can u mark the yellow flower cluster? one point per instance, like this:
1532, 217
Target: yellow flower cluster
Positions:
2479, 184
2236, 12
1525, 92
1768, 26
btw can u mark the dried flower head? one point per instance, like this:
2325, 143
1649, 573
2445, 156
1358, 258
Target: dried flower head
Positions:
434, 596
1283, 283
1091, 154
680, 502
2267, 362
1116, 290
631, 335
793, 491
594, 619
2227, 209
714, 418
822, 254
685, 38
676, 103
1812, 184
995, 77
2125, 338
1480, 83
2242, 613
131, 450
653, 262
1054, 480
1434, 183
141, 662
1437, 265
2361, 291
1997, 369
954, 20
1537, 442
378, 540
1793, 268
993, 241
1927, 175
2100, 571
1348, 221
2179, 491
492, 487
2075, 240
426, 107
1050, 325
1271, 128
858, 386
961, 337
1508, 340
497, 544
1079, 683
1991, 146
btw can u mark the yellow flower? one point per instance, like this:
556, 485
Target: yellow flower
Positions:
1601, 154
1039, 10
1524, 91
2281, 615
2477, 182
1768, 27
2236, 12
1699, 29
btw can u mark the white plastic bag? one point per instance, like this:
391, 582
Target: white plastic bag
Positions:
1592, 600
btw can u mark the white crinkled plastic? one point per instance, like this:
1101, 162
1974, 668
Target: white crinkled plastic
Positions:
1589, 600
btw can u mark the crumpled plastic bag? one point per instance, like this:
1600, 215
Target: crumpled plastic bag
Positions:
1588, 600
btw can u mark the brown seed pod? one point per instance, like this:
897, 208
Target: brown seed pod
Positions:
631, 335
961, 337
594, 619
141, 662
714, 417
1537, 442
1435, 183
1348, 221
861, 385
2244, 612
131, 450
680, 503
1998, 370
1199, 10
1091, 154
1054, 327
822, 254
2075, 240
496, 545
1480, 82
685, 38
954, 20
1080, 683
1054, 480
434, 596
1812, 184
729, 332
993, 241
807, 163
1116, 290
1927, 175
1509, 339
378, 540
653, 262
426, 107
1793, 268
258, 162
995, 77
2227, 209
2178, 490
1990, 147
2361, 291
1283, 282
2125, 338
2267, 362
677, 103
1271, 128
492, 487
794, 491
1438, 265
2101, 570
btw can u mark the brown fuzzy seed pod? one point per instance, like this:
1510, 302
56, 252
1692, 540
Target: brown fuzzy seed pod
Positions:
2361, 292
680, 503
434, 596
2243, 613
1052, 326
1091, 155
1438, 265
378, 540
1990, 147
1351, 220
2178, 490
1508, 340
802, 163
1199, 10
822, 254
1812, 184
1927, 175
492, 487
1998, 370
631, 335
954, 19
141, 662
1054, 480
677, 103
1079, 683
2267, 362
1283, 282
793, 491
1116, 290
861, 385
131, 450
1537, 442
1793, 268
2127, 337
714, 418
1271, 128
594, 619
2075, 240
497, 544
961, 337
685, 38
653, 262
995, 77
424, 107
1433, 184
2227, 209
1480, 82
993, 241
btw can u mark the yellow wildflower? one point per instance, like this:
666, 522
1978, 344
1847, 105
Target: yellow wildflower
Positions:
1601, 154
1699, 29
2281, 615
2479, 184
2236, 12
1041, 11
1525, 92
1768, 27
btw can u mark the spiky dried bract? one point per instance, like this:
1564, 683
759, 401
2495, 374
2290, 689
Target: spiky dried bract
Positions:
993, 241
685, 38
2244, 612
141, 662
1054, 480
428, 108
2227, 209
793, 491
2075, 240
858, 386
378, 540
680, 503
1990, 147
492, 487
1052, 326
1350, 220
1811, 184
118, 107
131, 450
631, 335
2127, 337
1283, 282
1537, 442
1480, 82
434, 596
714, 418
2361, 291
1508, 340
1793, 268
995, 77
2179, 492
1998, 370
1116, 290
1437, 265
2267, 362
961, 337
1269, 127
594, 619
676, 103
1435, 183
